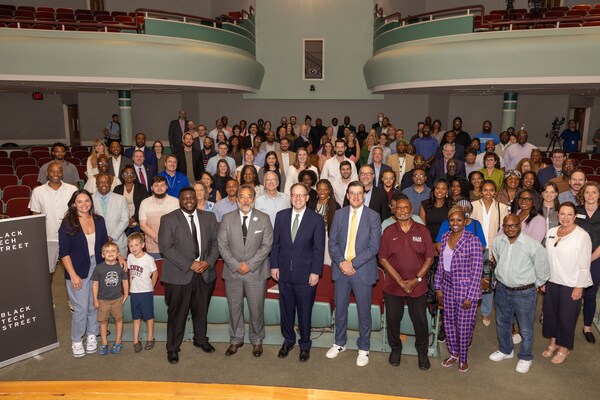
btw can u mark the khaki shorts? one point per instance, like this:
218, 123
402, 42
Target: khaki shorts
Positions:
107, 308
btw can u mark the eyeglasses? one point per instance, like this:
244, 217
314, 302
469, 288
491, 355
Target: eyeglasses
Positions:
298, 195
128, 175
419, 175
525, 198
510, 226
366, 173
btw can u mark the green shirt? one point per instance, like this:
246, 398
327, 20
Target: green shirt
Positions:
520, 263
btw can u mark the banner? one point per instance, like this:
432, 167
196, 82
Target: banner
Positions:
27, 326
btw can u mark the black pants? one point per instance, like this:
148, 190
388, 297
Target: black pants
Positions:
181, 299
417, 309
589, 294
560, 314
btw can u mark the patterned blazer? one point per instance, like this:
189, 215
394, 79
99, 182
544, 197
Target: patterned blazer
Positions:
466, 267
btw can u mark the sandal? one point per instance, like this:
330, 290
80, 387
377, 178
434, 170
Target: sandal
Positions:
450, 361
149, 344
549, 352
137, 347
463, 367
559, 357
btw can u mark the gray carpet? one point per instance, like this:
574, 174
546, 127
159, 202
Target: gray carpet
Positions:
576, 378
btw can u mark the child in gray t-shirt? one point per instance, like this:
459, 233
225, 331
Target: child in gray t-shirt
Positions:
110, 289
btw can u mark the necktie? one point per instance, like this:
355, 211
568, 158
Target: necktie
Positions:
244, 228
195, 237
142, 179
295, 227
352, 239
103, 204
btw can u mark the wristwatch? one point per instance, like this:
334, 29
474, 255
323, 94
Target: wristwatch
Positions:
419, 279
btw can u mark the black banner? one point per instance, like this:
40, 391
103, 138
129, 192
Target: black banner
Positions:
27, 326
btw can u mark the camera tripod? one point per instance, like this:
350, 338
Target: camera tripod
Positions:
554, 141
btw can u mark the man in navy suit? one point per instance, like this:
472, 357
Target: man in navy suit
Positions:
149, 155
354, 268
143, 173
296, 262
378, 166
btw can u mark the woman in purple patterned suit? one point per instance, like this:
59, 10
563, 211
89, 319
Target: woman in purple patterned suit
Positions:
458, 287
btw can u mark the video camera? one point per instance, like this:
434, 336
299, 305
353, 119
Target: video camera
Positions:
557, 123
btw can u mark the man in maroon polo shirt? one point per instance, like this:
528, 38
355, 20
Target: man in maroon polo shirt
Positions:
406, 254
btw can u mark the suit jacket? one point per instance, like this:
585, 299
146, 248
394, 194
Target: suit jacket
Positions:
315, 134
176, 134
255, 252
247, 141
176, 244
300, 142
366, 245
545, 174
341, 128
263, 147
150, 173
196, 162
394, 162
139, 194
291, 157
116, 218
437, 168
378, 203
384, 167
304, 256
149, 156
459, 155
123, 162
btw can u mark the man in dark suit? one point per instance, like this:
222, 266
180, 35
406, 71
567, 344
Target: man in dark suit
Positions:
140, 144
375, 198
245, 238
248, 140
354, 268
117, 160
298, 241
192, 155
378, 166
143, 173
342, 128
316, 133
552, 171
188, 241
177, 128
439, 165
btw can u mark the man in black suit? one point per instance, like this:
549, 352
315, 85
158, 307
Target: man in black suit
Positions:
379, 121
177, 128
316, 133
439, 165
188, 241
375, 198
303, 138
117, 160
298, 241
342, 128
189, 155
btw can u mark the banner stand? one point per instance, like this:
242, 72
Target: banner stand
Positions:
27, 324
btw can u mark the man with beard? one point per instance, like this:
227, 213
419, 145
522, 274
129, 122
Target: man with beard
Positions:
462, 137
331, 168
340, 131
270, 144
518, 151
576, 182
562, 181
208, 151
485, 135
189, 159
152, 209
316, 133
70, 174
503, 145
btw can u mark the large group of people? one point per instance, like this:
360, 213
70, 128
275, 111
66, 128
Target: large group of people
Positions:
437, 211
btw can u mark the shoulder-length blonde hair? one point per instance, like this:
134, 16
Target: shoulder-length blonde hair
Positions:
94, 155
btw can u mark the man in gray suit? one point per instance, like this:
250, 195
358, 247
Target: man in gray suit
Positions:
113, 208
245, 239
188, 240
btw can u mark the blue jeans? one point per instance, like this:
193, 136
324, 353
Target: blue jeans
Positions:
85, 317
519, 303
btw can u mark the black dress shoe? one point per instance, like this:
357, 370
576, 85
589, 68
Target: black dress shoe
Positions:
304, 355
173, 357
284, 351
589, 336
394, 358
206, 347
233, 348
424, 362
257, 350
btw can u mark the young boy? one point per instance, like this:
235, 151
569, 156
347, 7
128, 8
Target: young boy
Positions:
143, 275
110, 289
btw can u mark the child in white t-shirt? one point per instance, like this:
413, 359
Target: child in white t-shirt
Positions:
143, 275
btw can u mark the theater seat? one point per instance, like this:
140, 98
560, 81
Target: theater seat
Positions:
17, 207
14, 191
7, 180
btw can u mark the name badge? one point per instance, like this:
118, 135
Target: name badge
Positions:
417, 239
581, 216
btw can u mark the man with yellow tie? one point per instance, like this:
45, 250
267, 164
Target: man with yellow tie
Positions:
353, 246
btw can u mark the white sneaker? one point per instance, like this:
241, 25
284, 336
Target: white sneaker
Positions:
523, 366
499, 356
78, 350
363, 358
334, 351
517, 338
91, 345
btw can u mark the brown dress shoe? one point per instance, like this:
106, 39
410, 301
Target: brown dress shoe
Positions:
257, 350
233, 348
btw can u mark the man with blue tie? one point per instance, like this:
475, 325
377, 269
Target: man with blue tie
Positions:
296, 262
354, 268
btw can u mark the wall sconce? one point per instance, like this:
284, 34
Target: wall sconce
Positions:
312, 88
